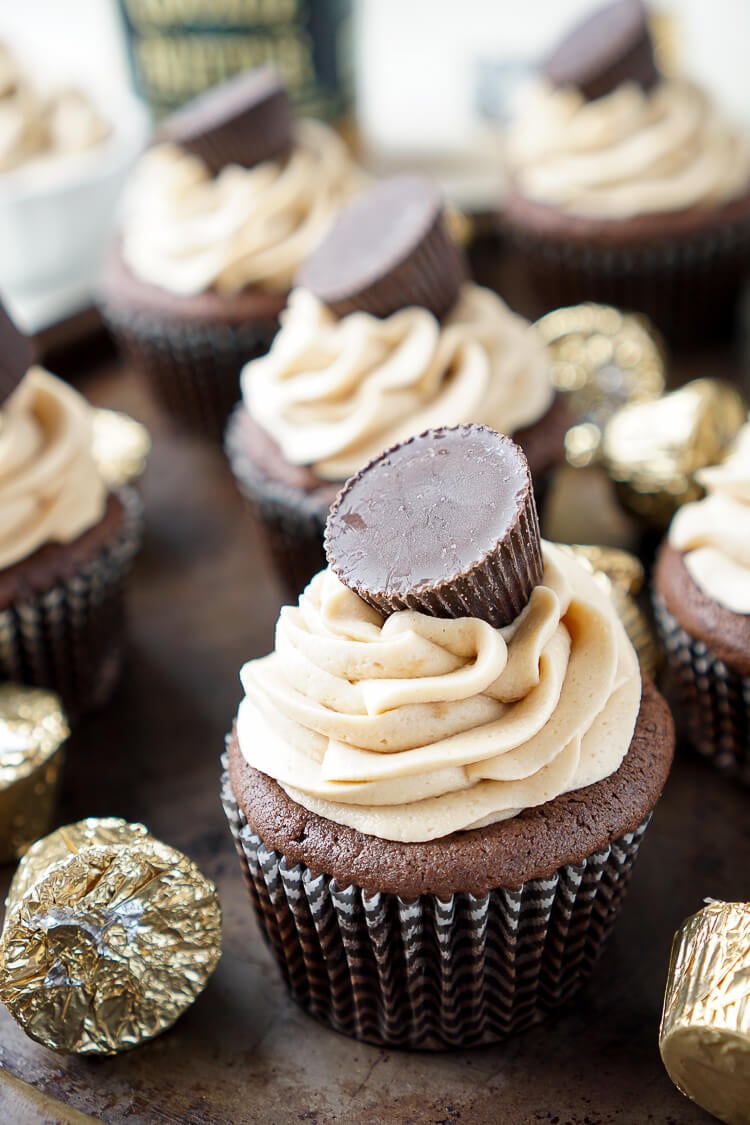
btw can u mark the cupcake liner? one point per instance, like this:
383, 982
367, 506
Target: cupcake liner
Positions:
432, 973
70, 638
689, 289
714, 700
291, 521
193, 366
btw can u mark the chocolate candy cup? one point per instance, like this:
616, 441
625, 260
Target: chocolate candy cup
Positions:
16, 356
444, 523
243, 121
601, 52
389, 249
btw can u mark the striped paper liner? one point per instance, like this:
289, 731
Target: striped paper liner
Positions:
432, 973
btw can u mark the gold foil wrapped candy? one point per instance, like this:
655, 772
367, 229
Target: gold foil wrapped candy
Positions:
652, 450
109, 936
705, 1029
121, 447
33, 731
625, 577
602, 359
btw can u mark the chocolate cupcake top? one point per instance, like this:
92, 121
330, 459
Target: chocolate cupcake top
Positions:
335, 390
713, 534
50, 487
642, 147
410, 726
190, 226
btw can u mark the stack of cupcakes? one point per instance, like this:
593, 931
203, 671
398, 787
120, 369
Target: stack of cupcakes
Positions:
383, 337
439, 780
220, 215
628, 187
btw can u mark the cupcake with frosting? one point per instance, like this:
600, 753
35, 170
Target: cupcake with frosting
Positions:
702, 607
383, 337
66, 541
220, 214
628, 187
439, 779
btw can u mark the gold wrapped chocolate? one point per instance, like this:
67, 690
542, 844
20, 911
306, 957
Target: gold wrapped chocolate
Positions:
33, 731
109, 936
704, 1036
652, 450
625, 577
602, 359
121, 447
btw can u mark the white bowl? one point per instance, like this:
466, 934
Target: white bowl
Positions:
57, 215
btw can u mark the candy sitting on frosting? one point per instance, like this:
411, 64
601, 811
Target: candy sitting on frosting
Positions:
50, 488
631, 152
334, 393
411, 724
35, 126
714, 533
188, 231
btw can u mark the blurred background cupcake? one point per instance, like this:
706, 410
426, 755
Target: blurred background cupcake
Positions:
66, 541
629, 187
383, 337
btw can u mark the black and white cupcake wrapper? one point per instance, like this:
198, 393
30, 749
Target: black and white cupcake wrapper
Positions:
713, 700
70, 638
432, 973
292, 521
192, 366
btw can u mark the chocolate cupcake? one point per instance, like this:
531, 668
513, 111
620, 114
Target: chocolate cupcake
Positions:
383, 337
702, 608
66, 542
628, 187
220, 214
437, 808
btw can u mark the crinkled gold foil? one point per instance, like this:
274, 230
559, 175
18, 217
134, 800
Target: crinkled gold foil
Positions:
601, 359
33, 731
652, 450
109, 936
624, 577
121, 447
704, 1036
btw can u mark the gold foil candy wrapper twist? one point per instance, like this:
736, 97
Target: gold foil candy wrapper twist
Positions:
33, 731
601, 359
652, 450
624, 577
109, 936
704, 1036
121, 447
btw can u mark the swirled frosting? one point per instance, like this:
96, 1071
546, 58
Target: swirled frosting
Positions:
187, 231
33, 126
714, 533
50, 488
628, 153
335, 393
414, 727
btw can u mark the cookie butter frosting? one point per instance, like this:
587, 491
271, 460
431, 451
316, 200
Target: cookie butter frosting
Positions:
35, 126
714, 533
335, 393
628, 153
50, 488
187, 231
414, 727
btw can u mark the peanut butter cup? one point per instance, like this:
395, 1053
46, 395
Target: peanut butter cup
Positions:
388, 249
16, 356
604, 50
444, 523
243, 121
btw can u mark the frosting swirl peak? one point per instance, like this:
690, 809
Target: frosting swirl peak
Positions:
414, 727
50, 487
335, 393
